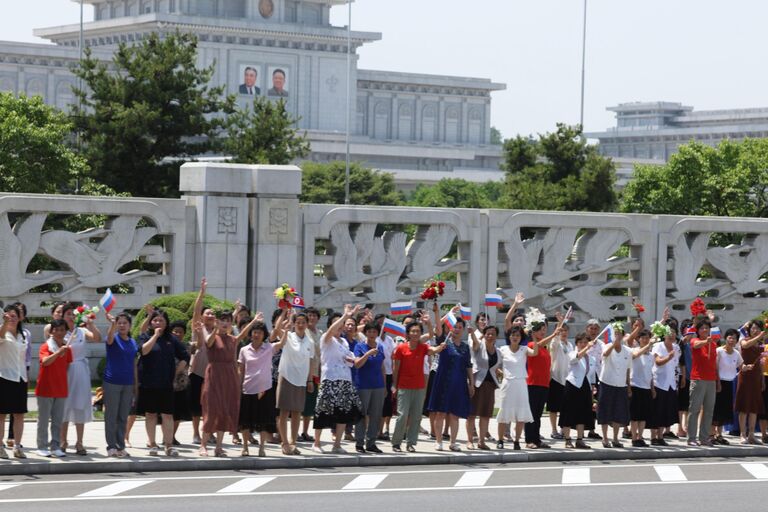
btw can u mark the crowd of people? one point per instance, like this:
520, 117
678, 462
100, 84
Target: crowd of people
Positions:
242, 377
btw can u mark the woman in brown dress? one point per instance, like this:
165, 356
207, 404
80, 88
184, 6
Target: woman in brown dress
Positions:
220, 397
749, 390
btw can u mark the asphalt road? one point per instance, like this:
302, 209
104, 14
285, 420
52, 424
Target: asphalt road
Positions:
685, 485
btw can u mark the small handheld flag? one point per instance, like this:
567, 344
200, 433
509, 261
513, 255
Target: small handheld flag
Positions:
493, 300
392, 327
715, 333
108, 301
466, 313
297, 302
691, 331
608, 334
400, 308
743, 332
568, 314
450, 320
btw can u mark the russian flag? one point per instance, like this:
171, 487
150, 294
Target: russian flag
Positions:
297, 302
400, 308
568, 314
492, 300
608, 334
691, 331
108, 301
392, 327
466, 313
450, 320
715, 334
743, 332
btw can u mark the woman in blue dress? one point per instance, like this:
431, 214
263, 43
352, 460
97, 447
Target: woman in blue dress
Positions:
453, 385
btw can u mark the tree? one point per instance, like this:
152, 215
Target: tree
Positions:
34, 156
559, 171
323, 183
151, 109
496, 138
457, 193
728, 180
264, 133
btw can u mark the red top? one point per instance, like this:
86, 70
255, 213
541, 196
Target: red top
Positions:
411, 372
704, 365
52, 379
539, 367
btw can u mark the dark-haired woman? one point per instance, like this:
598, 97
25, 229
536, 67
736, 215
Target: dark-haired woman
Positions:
13, 377
78, 408
514, 406
703, 384
370, 381
257, 401
159, 351
485, 361
119, 382
220, 397
749, 389
577, 395
729, 362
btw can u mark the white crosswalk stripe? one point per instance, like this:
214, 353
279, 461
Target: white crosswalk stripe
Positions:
366, 481
246, 484
670, 473
759, 471
115, 488
473, 479
576, 476
7, 486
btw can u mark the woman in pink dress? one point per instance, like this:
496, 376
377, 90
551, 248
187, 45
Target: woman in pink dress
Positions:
220, 397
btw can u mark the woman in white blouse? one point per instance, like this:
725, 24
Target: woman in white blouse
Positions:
666, 356
729, 363
577, 396
13, 377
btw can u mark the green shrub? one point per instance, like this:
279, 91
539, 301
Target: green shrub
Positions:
179, 307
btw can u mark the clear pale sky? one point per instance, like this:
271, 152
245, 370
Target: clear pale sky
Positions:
705, 53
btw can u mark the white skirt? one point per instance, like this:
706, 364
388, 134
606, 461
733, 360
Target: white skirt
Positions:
514, 402
78, 407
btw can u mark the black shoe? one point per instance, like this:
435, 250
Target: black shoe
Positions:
410, 448
306, 438
656, 442
594, 435
359, 448
396, 448
626, 435
581, 445
639, 443
544, 446
516, 445
500, 445
176, 442
670, 435
373, 449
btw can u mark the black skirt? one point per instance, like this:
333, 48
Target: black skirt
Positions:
13, 397
337, 403
258, 415
577, 406
613, 405
663, 409
640, 404
683, 397
151, 401
555, 396
195, 390
723, 413
386, 409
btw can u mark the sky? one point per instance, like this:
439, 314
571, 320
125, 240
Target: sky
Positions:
708, 54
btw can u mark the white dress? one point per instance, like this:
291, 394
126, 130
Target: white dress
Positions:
514, 390
78, 408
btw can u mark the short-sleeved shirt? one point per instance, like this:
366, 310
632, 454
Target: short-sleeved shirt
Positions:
52, 379
369, 376
664, 375
615, 366
121, 359
728, 364
539, 367
157, 368
257, 368
411, 372
641, 373
294, 361
704, 361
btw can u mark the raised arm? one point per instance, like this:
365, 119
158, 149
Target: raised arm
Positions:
475, 341
519, 298
92, 333
148, 310
197, 312
148, 345
247, 328
640, 351
112, 328
637, 326
549, 338
335, 329
751, 342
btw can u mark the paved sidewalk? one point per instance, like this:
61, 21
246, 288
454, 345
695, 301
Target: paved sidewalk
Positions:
140, 461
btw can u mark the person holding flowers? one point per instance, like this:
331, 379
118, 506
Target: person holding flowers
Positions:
704, 383
664, 405
577, 396
78, 408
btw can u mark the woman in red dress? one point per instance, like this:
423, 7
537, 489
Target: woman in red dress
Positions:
749, 389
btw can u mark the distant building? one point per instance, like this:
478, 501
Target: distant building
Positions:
423, 126
651, 132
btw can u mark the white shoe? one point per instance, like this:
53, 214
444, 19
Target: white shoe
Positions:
439, 447
44, 453
338, 449
111, 452
317, 449
58, 452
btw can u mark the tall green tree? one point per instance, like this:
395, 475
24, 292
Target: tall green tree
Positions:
324, 183
145, 113
34, 156
559, 171
457, 193
728, 180
264, 133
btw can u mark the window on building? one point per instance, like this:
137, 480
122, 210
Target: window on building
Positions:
233, 9
311, 14
204, 8
146, 7
291, 11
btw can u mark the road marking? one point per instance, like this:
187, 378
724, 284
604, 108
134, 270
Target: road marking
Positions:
576, 476
115, 489
473, 479
366, 481
7, 486
759, 471
670, 473
247, 484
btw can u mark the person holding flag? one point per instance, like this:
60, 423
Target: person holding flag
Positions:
703, 388
485, 362
369, 381
749, 389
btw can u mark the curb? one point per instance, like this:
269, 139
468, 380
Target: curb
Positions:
145, 464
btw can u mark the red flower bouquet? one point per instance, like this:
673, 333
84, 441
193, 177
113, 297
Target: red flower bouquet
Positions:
638, 307
284, 296
698, 308
433, 290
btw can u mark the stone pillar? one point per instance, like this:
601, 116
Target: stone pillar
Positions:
217, 243
274, 255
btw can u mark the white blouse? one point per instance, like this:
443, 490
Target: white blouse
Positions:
728, 364
13, 351
294, 360
333, 358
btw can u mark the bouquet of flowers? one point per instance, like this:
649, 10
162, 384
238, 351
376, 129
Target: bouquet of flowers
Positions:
698, 308
284, 295
433, 290
660, 330
618, 327
534, 319
638, 307
85, 313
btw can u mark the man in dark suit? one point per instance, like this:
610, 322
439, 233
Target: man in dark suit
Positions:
249, 85
278, 84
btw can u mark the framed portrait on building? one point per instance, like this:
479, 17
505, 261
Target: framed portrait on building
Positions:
278, 82
249, 80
